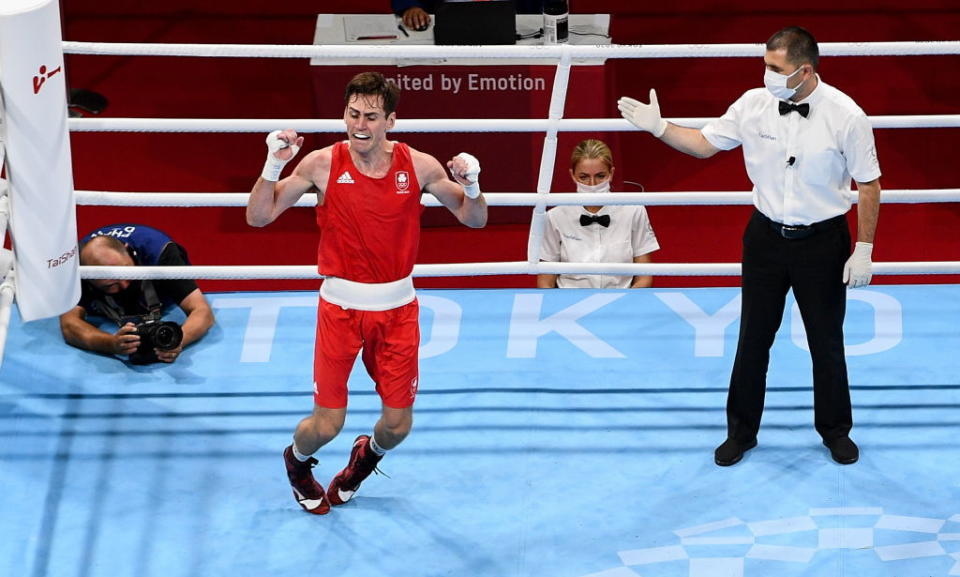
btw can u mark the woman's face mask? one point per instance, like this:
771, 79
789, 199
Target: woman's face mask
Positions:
592, 170
601, 187
776, 83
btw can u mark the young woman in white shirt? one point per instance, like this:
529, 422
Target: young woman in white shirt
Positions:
593, 234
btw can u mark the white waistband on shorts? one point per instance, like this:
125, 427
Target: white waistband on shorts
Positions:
365, 296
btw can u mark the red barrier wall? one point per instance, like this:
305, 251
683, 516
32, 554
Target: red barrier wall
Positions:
279, 88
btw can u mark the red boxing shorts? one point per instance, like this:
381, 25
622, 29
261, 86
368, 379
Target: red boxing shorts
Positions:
390, 341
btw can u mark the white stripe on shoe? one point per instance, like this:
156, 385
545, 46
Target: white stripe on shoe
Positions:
308, 504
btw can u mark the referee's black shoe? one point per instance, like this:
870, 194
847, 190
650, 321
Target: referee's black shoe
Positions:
731, 451
843, 450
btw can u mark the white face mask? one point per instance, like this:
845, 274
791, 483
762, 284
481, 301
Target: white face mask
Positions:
777, 83
602, 187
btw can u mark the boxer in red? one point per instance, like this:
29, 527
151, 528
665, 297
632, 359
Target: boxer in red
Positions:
368, 211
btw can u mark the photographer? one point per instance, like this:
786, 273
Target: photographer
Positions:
135, 306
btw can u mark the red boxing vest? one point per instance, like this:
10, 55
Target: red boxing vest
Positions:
369, 227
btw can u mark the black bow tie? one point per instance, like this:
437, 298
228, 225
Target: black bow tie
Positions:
587, 219
788, 107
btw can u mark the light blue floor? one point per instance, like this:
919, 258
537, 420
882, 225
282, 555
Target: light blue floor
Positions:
559, 433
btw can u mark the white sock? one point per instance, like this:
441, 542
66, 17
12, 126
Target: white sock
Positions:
377, 449
298, 455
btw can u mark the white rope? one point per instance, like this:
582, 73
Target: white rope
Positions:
4, 210
478, 269
439, 125
7, 292
7, 274
548, 159
535, 52
706, 198
238, 272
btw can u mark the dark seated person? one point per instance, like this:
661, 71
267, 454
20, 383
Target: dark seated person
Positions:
129, 303
415, 12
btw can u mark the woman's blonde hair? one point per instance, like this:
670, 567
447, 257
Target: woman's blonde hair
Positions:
591, 148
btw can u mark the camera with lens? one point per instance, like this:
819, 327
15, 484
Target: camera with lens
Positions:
154, 333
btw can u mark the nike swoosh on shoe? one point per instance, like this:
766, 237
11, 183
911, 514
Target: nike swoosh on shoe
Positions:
308, 504
345, 495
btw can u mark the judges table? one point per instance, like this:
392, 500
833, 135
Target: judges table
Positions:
495, 88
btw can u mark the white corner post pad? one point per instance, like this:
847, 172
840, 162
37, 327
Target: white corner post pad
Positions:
274, 165
42, 216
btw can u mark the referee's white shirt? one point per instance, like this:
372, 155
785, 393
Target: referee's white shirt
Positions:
566, 240
828, 147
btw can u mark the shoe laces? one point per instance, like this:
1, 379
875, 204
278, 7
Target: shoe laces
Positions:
304, 468
362, 469
303, 480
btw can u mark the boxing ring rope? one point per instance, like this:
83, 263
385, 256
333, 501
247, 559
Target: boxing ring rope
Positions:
535, 52
306, 272
695, 198
7, 274
440, 125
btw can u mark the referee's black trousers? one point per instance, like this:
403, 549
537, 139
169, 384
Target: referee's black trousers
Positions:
813, 268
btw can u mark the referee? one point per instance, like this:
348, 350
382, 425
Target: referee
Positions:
803, 140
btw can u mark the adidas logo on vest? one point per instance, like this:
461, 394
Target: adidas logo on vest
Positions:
345, 178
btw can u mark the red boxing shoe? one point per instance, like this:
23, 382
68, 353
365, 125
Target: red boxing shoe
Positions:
363, 461
308, 493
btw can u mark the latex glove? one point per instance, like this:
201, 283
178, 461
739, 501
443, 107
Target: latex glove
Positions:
282, 146
643, 116
857, 272
465, 169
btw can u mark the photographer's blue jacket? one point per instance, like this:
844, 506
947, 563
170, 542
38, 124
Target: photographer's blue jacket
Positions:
147, 243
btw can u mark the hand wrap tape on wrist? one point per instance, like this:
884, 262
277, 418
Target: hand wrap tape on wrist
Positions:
273, 165
272, 168
472, 191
